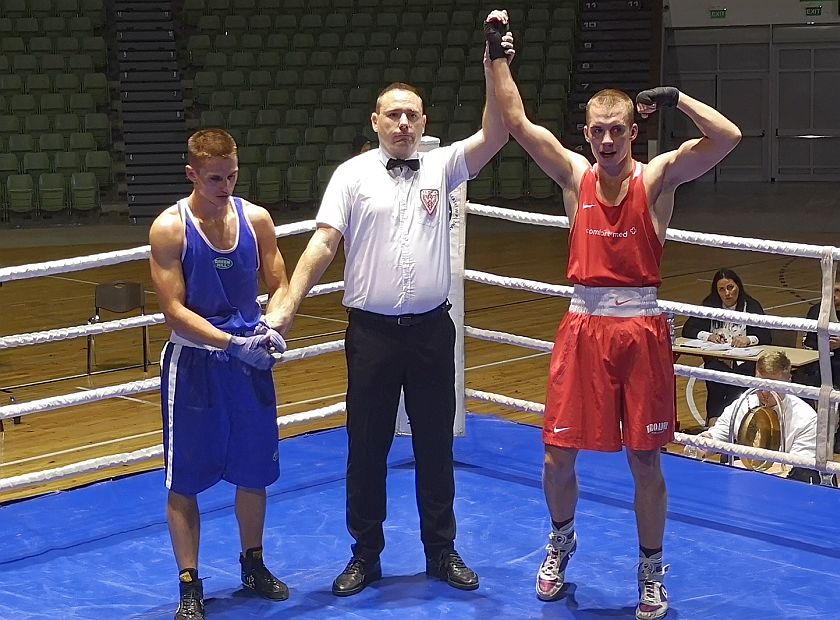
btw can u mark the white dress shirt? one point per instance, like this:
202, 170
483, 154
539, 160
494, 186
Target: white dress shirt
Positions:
799, 421
396, 228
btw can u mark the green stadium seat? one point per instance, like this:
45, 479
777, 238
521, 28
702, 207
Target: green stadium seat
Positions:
192, 10
287, 136
40, 45
250, 100
511, 177
328, 41
65, 8
20, 196
24, 64
66, 163
95, 11
336, 153
240, 119
22, 105
53, 103
260, 79
96, 48
278, 155
277, 99
223, 100
540, 185
40, 8
51, 193
66, 84
10, 125
66, 46
269, 185
82, 141
204, 84
84, 192
212, 119
259, 137
80, 63
482, 187
51, 143
296, 118
299, 184
100, 164
38, 84
209, 24
15, 9
12, 45
95, 85
270, 118
198, 46
11, 84
235, 24
99, 126
244, 183
35, 164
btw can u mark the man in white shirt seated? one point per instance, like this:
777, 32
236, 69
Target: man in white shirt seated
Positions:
798, 419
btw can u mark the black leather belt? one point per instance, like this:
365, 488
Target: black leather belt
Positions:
403, 320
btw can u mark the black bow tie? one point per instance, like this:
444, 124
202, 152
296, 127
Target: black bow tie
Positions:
414, 164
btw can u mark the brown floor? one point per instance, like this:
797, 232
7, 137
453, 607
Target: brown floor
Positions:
785, 287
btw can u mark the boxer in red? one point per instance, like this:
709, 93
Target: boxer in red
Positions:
611, 382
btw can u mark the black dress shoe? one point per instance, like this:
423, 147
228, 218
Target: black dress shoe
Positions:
450, 568
356, 576
259, 579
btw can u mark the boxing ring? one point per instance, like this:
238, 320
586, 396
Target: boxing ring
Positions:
741, 544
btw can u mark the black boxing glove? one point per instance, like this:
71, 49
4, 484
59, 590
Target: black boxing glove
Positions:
661, 97
494, 30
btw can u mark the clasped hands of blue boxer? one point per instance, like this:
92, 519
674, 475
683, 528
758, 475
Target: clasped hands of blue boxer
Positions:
256, 350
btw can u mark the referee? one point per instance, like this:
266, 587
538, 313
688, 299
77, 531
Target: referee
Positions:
391, 206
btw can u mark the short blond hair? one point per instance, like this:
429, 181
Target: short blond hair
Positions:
773, 363
611, 98
205, 144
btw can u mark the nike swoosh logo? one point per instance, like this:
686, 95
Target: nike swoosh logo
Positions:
587, 206
560, 430
622, 302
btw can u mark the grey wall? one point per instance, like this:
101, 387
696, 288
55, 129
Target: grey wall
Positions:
695, 13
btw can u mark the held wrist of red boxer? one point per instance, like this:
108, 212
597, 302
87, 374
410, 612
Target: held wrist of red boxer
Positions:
661, 97
494, 30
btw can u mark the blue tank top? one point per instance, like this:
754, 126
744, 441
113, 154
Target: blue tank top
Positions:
222, 285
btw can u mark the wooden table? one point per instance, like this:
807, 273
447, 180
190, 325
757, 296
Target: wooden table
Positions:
797, 357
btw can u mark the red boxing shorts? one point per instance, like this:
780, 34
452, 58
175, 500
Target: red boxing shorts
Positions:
611, 381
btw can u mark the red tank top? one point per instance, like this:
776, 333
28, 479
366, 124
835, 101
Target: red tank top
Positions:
614, 245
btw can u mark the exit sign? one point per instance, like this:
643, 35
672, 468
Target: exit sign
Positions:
717, 13
813, 11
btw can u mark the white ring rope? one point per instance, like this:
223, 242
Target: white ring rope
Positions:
805, 391
80, 263
66, 333
801, 250
558, 290
141, 456
139, 387
706, 443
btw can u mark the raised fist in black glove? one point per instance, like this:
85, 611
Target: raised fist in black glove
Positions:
650, 100
495, 29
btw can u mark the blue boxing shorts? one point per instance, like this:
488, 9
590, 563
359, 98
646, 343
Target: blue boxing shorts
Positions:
219, 421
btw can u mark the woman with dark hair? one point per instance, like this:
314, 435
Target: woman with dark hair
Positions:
727, 292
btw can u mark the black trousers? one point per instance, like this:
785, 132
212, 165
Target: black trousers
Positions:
383, 357
721, 395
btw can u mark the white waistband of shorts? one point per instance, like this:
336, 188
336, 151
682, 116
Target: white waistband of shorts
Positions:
615, 301
176, 339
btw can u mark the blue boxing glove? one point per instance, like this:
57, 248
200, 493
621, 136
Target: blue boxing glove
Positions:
253, 350
277, 342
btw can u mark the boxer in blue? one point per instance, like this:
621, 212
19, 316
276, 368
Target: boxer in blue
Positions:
217, 392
